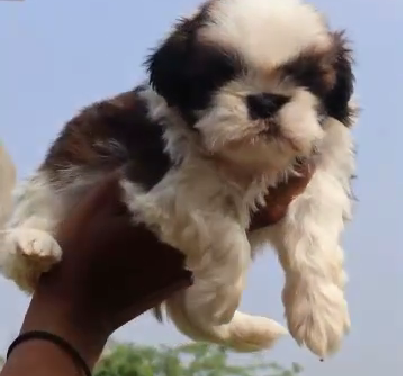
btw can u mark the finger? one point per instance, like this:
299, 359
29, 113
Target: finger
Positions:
305, 169
136, 245
294, 185
279, 197
104, 199
154, 295
101, 202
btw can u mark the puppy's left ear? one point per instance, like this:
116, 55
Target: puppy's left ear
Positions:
338, 99
185, 69
168, 66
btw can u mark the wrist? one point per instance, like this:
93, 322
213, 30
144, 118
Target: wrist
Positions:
57, 317
39, 358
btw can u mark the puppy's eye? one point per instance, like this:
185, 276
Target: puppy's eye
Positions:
264, 105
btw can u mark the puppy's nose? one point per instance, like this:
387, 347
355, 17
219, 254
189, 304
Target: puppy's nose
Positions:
265, 105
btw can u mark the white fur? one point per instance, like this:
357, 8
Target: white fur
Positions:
27, 244
199, 210
29, 253
211, 210
308, 244
194, 210
203, 205
266, 32
228, 123
245, 333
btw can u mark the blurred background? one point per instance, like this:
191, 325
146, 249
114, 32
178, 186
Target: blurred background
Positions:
56, 57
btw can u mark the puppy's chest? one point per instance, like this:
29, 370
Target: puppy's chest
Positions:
242, 205
196, 187
243, 201
214, 193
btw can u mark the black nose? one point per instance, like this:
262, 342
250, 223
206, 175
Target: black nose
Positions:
265, 105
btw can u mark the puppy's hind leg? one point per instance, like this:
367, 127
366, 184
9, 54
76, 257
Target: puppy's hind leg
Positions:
218, 254
219, 264
207, 310
27, 245
244, 333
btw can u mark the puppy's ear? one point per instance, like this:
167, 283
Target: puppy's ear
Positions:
337, 100
168, 66
186, 69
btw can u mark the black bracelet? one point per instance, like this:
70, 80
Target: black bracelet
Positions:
59, 341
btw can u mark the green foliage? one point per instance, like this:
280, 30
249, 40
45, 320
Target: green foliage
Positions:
186, 360
194, 359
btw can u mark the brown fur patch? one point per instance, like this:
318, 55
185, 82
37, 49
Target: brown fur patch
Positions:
108, 135
312, 69
327, 73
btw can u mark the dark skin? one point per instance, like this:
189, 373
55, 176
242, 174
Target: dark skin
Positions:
102, 282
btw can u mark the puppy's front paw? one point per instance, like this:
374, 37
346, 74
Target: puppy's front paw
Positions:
27, 253
317, 315
35, 245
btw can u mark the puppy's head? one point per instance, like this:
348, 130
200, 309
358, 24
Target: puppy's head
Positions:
256, 79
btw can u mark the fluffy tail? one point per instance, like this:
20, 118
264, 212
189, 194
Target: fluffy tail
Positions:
7, 183
244, 333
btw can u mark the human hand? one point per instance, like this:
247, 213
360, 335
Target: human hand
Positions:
112, 271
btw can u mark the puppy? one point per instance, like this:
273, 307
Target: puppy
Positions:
238, 94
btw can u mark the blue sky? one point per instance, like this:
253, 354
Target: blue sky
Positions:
57, 56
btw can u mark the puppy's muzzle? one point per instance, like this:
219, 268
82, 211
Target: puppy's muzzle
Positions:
265, 105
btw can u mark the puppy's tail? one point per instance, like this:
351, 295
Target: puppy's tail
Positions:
7, 183
244, 333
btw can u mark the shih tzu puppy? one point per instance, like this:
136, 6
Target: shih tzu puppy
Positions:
238, 95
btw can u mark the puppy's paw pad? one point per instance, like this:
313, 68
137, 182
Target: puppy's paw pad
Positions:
35, 245
318, 318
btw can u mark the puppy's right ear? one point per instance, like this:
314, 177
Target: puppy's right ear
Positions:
168, 66
337, 101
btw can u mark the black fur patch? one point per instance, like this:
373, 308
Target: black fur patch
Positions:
328, 75
186, 71
337, 100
